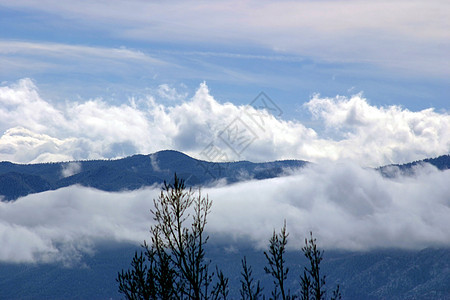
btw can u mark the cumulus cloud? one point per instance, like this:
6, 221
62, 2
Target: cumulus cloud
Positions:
391, 132
35, 130
346, 206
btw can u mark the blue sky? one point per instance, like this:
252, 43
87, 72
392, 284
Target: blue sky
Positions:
388, 53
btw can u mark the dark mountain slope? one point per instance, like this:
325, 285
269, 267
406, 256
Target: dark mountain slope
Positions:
14, 185
131, 173
377, 274
442, 163
136, 171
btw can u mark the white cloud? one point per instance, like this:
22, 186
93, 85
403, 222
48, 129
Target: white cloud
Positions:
170, 93
346, 206
34, 58
154, 162
19, 144
55, 225
380, 135
36, 131
20, 104
70, 169
75, 51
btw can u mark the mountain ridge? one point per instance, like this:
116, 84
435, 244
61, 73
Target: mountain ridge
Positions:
140, 170
441, 163
132, 172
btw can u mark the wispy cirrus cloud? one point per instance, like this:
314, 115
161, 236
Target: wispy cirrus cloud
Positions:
67, 50
401, 35
43, 57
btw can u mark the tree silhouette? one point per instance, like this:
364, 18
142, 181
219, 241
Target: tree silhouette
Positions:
249, 291
312, 282
277, 263
176, 264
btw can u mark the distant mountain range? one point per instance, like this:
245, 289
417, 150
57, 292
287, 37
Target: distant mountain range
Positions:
441, 162
134, 172
130, 173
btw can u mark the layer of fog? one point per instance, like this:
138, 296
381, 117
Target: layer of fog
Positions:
35, 130
346, 206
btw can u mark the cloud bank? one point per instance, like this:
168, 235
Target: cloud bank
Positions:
346, 206
61, 225
36, 130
